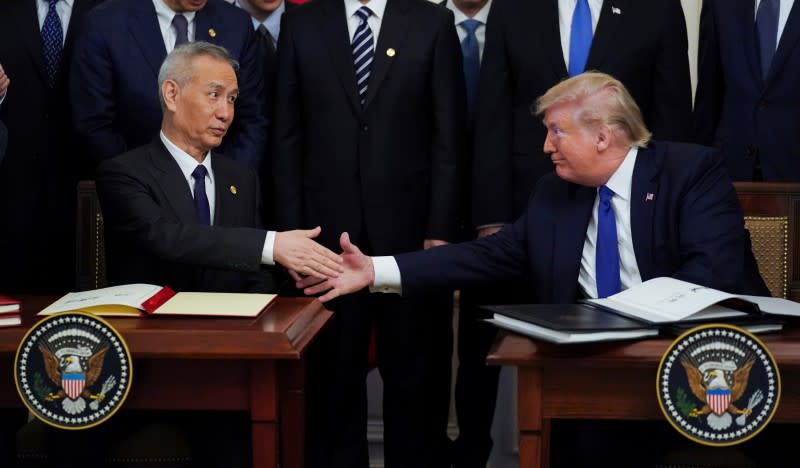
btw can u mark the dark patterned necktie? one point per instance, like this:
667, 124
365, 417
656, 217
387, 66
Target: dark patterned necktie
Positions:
472, 62
52, 42
363, 51
200, 198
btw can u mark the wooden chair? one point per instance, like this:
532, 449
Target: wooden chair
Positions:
772, 213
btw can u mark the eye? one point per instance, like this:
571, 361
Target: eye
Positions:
213, 94
232, 98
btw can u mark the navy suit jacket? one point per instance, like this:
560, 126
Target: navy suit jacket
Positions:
748, 117
151, 229
691, 228
641, 43
114, 78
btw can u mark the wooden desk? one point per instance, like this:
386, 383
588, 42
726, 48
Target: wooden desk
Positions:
552, 383
253, 365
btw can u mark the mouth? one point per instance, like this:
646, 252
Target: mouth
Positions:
218, 132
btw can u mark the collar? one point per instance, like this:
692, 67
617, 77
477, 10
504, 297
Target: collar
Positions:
186, 162
621, 180
377, 7
482, 15
164, 11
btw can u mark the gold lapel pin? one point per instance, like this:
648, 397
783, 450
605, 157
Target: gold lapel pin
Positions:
233, 189
212, 32
390, 52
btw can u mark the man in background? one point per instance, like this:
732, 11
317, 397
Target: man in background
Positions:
113, 81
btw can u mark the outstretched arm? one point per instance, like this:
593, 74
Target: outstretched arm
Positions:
358, 273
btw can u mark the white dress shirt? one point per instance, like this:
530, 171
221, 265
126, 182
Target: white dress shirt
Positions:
620, 183
480, 32
374, 21
783, 16
273, 21
388, 278
565, 10
165, 14
63, 9
187, 165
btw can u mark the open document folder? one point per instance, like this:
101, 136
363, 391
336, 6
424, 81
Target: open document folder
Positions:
133, 300
642, 311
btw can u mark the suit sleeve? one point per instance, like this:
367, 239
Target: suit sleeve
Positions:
712, 235
710, 85
246, 140
287, 154
499, 257
448, 151
672, 87
492, 188
92, 93
133, 215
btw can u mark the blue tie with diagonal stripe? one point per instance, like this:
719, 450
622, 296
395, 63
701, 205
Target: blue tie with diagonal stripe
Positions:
606, 248
52, 42
363, 51
580, 38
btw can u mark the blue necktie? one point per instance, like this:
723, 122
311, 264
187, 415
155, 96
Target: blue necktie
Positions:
472, 61
363, 50
181, 25
767, 29
52, 42
580, 38
200, 198
607, 251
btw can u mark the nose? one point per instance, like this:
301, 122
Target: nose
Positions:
549, 147
224, 111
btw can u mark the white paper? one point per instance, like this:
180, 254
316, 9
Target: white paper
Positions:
129, 295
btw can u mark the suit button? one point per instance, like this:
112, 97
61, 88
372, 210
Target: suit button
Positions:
365, 128
762, 104
750, 151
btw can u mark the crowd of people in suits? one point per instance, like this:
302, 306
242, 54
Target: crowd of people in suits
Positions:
409, 125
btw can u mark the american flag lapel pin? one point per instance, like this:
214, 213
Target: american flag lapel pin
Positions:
649, 197
616, 10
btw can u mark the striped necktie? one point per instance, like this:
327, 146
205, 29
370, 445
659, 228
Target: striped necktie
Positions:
52, 42
363, 51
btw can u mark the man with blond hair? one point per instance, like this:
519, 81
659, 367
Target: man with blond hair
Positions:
620, 209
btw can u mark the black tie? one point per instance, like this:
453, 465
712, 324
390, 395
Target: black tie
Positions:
767, 29
265, 41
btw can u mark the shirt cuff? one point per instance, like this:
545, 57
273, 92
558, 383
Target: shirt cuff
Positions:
387, 276
484, 226
266, 253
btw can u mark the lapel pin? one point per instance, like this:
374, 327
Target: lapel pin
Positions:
212, 32
649, 197
390, 52
616, 11
233, 189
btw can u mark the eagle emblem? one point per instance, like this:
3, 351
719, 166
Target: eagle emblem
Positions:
718, 385
73, 370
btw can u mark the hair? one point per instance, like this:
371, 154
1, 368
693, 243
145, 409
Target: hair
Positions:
602, 100
179, 64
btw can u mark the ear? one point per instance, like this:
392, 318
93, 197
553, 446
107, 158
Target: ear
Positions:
170, 92
605, 138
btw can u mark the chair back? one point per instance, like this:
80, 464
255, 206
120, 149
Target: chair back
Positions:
90, 261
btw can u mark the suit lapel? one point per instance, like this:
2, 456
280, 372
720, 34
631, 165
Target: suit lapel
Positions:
609, 26
573, 220
547, 23
204, 26
170, 178
78, 9
224, 197
394, 27
143, 26
744, 11
334, 30
30, 34
644, 194
788, 41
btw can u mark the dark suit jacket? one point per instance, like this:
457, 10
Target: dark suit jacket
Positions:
387, 173
114, 86
741, 113
3, 140
644, 46
692, 229
39, 172
151, 229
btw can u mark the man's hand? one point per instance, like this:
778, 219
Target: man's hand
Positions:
358, 274
298, 252
428, 243
4, 82
488, 231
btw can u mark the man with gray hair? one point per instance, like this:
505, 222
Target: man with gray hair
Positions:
620, 209
178, 214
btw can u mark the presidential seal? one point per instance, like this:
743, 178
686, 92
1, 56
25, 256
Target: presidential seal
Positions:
718, 385
73, 370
